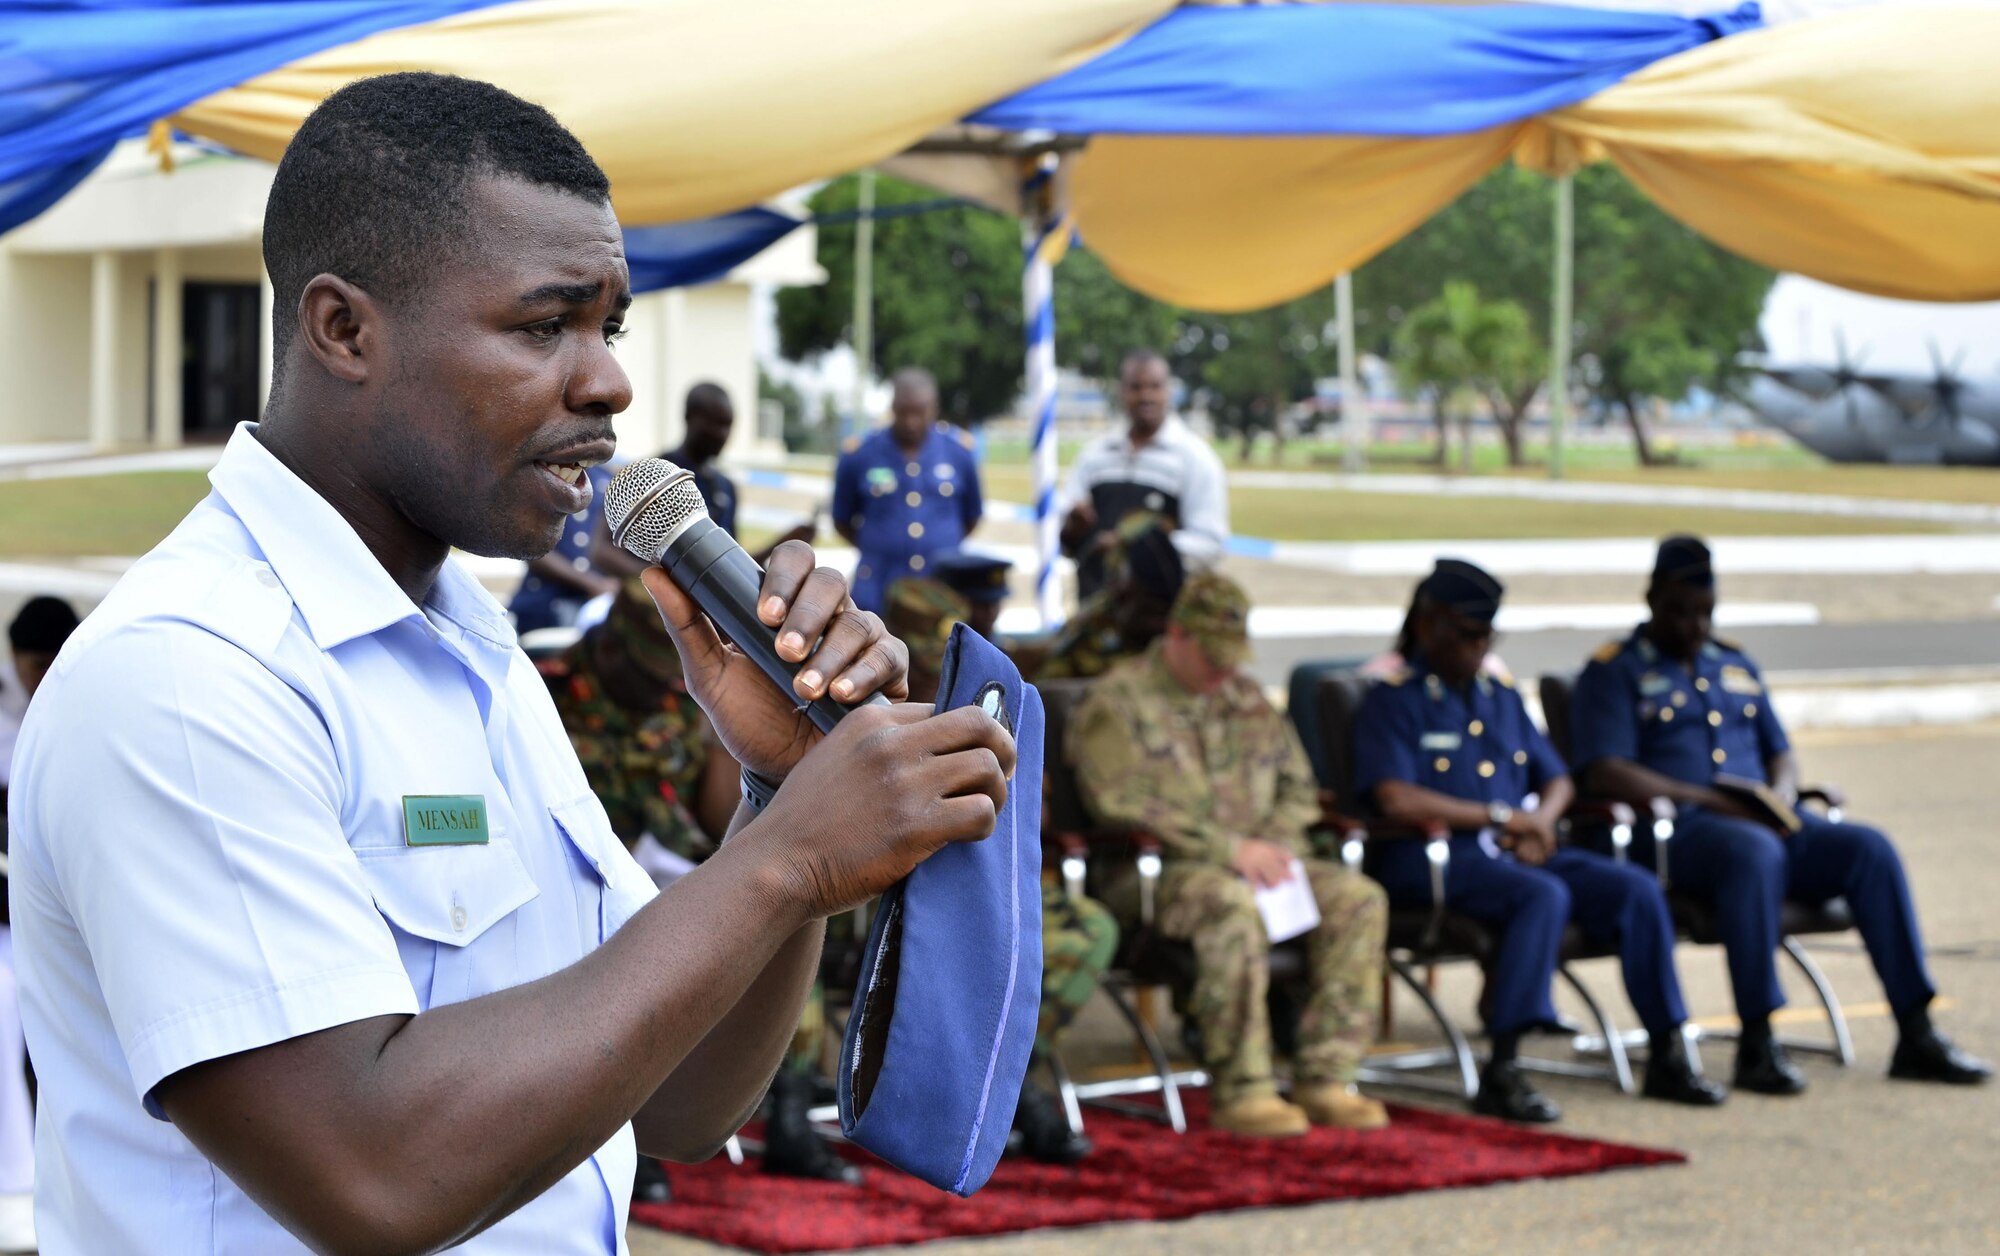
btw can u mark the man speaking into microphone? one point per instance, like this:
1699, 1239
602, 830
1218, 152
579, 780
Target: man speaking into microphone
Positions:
323, 941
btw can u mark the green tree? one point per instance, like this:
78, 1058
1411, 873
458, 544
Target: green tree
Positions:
1457, 348
1659, 309
947, 296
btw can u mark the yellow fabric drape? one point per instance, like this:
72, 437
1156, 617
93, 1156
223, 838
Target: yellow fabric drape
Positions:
695, 107
1859, 148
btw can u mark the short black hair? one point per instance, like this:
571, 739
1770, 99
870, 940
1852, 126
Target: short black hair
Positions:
708, 398
42, 626
1141, 354
372, 188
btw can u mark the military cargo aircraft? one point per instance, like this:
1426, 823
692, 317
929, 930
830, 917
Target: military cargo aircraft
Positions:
1846, 413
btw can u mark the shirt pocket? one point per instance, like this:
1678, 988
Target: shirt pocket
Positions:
450, 909
622, 886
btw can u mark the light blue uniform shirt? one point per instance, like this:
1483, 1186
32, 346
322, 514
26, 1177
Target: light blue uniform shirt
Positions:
208, 852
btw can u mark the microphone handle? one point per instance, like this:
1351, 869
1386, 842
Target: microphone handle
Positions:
724, 581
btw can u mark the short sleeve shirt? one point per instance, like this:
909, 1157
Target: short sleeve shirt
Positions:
1477, 742
1690, 723
211, 852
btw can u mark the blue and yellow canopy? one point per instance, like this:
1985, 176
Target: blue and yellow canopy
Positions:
1237, 155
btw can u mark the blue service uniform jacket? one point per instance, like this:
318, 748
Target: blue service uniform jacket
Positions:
905, 507
1715, 718
1479, 743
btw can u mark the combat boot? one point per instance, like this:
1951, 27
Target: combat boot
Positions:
791, 1147
1260, 1116
1340, 1106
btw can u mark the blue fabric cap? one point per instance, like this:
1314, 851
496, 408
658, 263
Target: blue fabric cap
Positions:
944, 1021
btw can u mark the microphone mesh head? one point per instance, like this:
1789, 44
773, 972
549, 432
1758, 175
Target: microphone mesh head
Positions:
648, 503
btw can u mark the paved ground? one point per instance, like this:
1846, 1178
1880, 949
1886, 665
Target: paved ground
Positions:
1860, 1164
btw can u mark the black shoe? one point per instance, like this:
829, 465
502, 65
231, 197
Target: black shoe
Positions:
1504, 1092
1931, 1057
1045, 1132
1670, 1076
1762, 1066
649, 1184
791, 1147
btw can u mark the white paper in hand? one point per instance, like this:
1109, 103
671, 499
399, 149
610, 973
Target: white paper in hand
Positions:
1288, 908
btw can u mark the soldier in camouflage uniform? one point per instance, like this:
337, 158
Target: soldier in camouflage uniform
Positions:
1079, 936
652, 759
1182, 744
1143, 575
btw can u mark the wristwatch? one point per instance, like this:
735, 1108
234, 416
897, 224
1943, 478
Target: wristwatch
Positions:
1498, 813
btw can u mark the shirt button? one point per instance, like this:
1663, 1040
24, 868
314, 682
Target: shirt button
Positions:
916, 530
1750, 710
1486, 767
458, 919
580, 563
267, 577
1680, 699
913, 498
916, 562
1521, 756
1666, 715
1701, 684
1441, 764
915, 468
1720, 756
1715, 719
944, 490
1475, 728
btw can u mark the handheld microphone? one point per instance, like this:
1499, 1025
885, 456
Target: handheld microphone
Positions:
657, 515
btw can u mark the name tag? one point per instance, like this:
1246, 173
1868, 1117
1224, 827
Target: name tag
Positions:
1739, 680
1441, 741
444, 820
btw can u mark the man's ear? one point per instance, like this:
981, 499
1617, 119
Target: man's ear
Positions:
341, 326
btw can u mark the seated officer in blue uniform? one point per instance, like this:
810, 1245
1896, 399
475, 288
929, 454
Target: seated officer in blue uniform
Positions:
1443, 740
905, 492
1672, 709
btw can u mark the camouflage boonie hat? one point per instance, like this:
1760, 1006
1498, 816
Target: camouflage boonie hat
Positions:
1214, 610
920, 613
635, 620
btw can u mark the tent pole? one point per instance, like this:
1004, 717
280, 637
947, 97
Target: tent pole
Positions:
1042, 227
1353, 416
864, 305
1562, 319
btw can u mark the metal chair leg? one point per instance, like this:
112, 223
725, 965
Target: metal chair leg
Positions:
1614, 1043
1461, 1051
1843, 1044
1066, 1091
733, 1149
1163, 1068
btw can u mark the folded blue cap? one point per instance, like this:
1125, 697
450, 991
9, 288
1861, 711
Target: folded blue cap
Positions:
951, 981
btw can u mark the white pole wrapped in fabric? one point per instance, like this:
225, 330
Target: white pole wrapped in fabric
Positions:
1044, 235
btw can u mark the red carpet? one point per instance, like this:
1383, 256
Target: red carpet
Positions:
1140, 1172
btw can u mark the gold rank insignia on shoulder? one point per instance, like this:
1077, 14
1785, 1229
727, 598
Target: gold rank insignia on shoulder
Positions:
851, 444
1396, 677
1608, 651
966, 438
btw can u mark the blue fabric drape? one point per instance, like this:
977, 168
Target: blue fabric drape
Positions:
681, 254
1353, 69
76, 76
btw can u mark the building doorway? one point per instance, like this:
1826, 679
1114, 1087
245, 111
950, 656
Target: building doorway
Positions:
221, 351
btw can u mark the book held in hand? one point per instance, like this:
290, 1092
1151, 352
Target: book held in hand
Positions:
1761, 800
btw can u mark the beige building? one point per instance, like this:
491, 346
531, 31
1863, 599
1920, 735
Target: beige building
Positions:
137, 314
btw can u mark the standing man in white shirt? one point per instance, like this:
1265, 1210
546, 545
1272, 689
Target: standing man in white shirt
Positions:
1155, 465
323, 941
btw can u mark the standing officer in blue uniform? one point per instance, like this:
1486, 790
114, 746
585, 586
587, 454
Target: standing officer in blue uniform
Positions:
905, 492
1665, 713
555, 586
1442, 740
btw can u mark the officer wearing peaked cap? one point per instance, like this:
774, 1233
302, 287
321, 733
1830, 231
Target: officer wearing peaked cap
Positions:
1674, 711
905, 492
1443, 741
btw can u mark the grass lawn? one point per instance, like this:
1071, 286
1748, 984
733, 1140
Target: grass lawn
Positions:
111, 514
1331, 515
